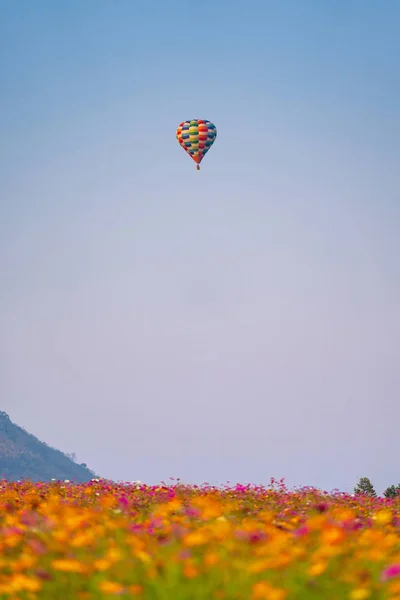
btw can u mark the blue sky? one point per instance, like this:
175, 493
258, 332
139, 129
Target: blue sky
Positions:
236, 323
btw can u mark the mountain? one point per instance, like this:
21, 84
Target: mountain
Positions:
23, 456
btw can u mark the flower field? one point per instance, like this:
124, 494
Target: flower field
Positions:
103, 540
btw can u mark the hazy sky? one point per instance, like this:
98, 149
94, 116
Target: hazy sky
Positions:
236, 323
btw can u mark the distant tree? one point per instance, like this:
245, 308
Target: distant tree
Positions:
392, 491
72, 456
365, 487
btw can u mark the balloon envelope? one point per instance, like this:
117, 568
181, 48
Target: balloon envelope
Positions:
196, 137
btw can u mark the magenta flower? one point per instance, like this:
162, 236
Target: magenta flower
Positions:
390, 572
123, 501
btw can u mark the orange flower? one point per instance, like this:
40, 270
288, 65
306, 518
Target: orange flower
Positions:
317, 568
394, 588
332, 535
68, 566
108, 501
190, 571
135, 589
263, 590
111, 587
196, 538
211, 559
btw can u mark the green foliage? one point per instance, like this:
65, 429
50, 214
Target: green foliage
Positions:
23, 456
392, 491
365, 487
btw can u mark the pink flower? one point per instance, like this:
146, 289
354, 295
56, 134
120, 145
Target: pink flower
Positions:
302, 530
36, 546
391, 571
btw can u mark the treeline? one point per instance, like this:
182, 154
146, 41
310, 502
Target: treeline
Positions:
365, 486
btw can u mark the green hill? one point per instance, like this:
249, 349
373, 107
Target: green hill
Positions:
23, 456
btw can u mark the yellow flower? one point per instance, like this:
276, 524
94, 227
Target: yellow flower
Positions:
383, 517
317, 568
23, 583
360, 594
25, 561
143, 556
259, 566
82, 539
101, 564
113, 555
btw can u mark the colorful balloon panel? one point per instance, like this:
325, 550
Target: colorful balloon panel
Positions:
196, 137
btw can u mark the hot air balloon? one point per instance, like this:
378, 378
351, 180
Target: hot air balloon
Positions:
196, 137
